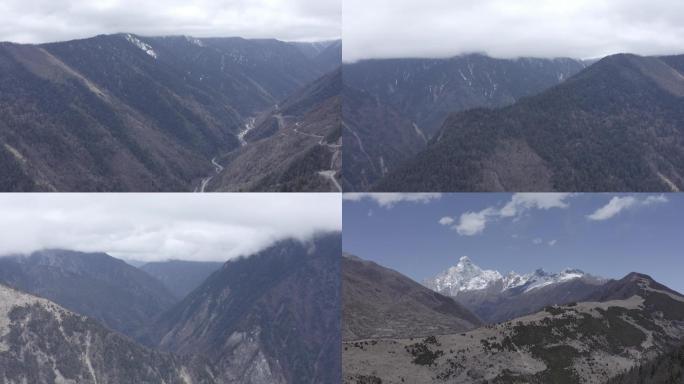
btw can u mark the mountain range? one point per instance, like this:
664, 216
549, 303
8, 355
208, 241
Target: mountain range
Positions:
495, 297
617, 332
131, 113
271, 317
180, 277
393, 107
119, 296
614, 126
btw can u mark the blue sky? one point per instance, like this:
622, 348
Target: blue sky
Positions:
608, 235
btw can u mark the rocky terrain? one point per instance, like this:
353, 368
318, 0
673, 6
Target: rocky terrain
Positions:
635, 321
272, 317
42, 342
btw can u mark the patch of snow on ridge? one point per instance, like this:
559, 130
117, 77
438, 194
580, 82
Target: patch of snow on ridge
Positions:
195, 41
144, 46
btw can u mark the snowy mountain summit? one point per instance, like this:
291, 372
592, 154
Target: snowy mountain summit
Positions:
466, 277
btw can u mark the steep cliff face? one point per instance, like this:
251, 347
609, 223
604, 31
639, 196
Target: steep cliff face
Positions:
41, 342
272, 317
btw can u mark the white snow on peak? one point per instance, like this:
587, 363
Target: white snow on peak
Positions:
144, 46
466, 276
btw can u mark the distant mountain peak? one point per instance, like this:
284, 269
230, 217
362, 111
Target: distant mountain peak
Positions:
467, 276
464, 276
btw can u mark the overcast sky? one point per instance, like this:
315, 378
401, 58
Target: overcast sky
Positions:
506, 28
38, 21
150, 227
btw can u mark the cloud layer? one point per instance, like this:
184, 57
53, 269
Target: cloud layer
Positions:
150, 227
504, 28
38, 21
473, 223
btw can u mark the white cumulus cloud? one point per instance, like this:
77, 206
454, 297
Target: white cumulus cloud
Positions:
446, 220
473, 223
619, 204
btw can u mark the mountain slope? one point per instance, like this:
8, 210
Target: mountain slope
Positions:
97, 285
495, 297
294, 147
131, 113
181, 277
397, 105
272, 317
41, 342
376, 138
587, 342
615, 126
379, 303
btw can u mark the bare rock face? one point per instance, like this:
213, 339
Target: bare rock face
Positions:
41, 342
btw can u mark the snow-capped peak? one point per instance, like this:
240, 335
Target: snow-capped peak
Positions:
142, 45
466, 276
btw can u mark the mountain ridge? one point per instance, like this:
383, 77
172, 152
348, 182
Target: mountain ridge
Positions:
614, 126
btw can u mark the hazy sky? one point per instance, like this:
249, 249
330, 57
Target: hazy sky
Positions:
505, 28
37, 21
608, 235
150, 227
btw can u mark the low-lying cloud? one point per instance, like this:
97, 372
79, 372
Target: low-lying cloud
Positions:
39, 21
504, 28
150, 227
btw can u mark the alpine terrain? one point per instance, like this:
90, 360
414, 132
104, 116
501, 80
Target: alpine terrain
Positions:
394, 107
614, 126
495, 297
271, 317
132, 113
617, 333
